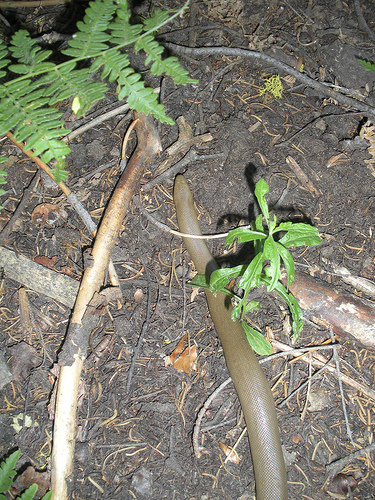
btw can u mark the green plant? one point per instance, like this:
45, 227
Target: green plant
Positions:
7, 473
95, 51
367, 65
272, 85
264, 269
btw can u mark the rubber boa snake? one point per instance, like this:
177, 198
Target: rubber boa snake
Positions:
249, 379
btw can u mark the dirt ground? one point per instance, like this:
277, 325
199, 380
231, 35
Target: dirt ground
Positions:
138, 443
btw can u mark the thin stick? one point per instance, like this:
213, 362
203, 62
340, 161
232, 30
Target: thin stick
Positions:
27, 192
137, 350
178, 167
197, 448
335, 357
338, 465
304, 384
168, 229
319, 360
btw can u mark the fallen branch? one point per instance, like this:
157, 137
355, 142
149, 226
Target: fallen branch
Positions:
74, 350
330, 307
58, 286
285, 68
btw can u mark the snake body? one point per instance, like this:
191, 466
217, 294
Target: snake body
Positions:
249, 380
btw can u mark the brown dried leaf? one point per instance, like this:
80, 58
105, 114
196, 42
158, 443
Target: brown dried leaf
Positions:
169, 360
183, 360
231, 454
29, 477
186, 362
45, 261
24, 358
302, 177
47, 213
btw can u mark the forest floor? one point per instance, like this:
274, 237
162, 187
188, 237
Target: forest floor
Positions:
138, 443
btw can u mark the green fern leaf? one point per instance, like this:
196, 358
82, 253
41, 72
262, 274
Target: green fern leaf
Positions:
7, 471
3, 62
123, 33
367, 65
28, 53
157, 19
91, 38
141, 98
25, 102
150, 46
29, 494
112, 62
77, 83
169, 66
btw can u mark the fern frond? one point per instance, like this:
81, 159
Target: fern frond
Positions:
26, 50
91, 38
141, 98
113, 63
24, 108
122, 32
157, 19
170, 66
64, 81
25, 102
29, 494
7, 471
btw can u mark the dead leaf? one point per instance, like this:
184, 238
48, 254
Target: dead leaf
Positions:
24, 358
45, 261
336, 160
186, 362
29, 477
183, 359
169, 360
230, 453
302, 177
48, 213
194, 293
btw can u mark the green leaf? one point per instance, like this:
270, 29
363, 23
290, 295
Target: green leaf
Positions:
273, 270
251, 275
367, 65
252, 305
244, 234
298, 234
297, 323
256, 340
287, 260
29, 493
47, 496
91, 37
220, 278
259, 223
236, 311
200, 281
261, 189
7, 471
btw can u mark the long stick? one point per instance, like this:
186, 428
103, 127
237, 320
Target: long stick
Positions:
74, 350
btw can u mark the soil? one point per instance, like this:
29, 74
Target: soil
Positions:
138, 443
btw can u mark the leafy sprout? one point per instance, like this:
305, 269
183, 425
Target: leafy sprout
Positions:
271, 256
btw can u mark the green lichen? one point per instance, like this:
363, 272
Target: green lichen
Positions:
272, 85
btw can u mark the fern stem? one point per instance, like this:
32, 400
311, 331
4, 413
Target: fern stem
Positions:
64, 188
